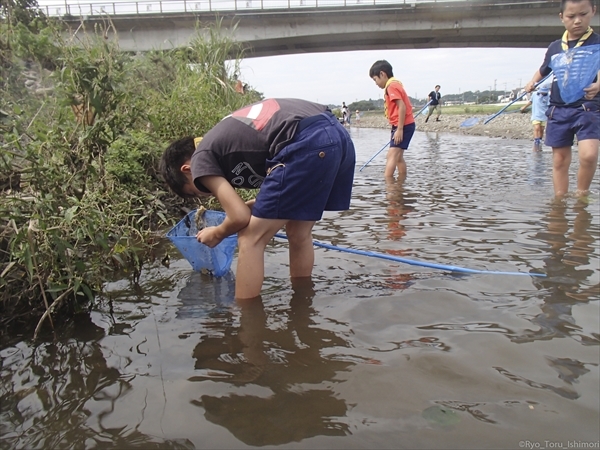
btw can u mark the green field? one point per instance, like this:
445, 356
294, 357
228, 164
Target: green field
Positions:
480, 109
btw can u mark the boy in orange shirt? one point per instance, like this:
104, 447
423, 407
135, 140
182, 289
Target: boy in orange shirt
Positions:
398, 110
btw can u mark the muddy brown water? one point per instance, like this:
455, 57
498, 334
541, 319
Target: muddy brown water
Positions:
372, 353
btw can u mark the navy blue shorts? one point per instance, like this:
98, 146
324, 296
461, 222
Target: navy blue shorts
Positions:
312, 174
407, 135
565, 123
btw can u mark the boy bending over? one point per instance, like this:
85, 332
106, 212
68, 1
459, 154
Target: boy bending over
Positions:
299, 156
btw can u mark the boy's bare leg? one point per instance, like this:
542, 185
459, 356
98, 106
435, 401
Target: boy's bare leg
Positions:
401, 178
401, 165
588, 160
393, 160
561, 160
302, 251
538, 133
252, 241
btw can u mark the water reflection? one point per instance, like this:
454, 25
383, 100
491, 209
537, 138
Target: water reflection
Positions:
50, 391
175, 362
568, 270
433, 142
286, 359
537, 169
400, 203
205, 295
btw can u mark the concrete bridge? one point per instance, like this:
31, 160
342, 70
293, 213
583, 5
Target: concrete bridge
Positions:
276, 27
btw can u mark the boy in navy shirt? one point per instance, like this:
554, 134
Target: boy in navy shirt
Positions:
434, 103
580, 118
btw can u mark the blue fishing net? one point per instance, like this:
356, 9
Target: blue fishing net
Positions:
470, 122
575, 69
216, 260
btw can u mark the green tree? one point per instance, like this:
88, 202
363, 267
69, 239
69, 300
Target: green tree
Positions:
19, 11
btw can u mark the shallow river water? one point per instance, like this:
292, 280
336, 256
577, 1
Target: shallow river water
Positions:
372, 353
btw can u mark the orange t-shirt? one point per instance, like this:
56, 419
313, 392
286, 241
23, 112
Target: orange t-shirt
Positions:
394, 91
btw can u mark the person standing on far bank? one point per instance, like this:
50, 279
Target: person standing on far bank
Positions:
539, 105
345, 115
435, 99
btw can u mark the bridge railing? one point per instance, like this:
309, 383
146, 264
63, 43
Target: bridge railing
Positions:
68, 8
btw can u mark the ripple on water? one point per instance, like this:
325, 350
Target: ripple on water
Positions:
368, 354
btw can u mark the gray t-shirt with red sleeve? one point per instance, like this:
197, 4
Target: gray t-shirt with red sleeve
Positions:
238, 147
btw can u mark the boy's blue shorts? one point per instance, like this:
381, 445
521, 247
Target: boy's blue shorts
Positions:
312, 174
407, 135
565, 123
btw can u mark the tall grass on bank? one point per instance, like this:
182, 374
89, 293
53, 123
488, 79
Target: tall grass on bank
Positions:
80, 197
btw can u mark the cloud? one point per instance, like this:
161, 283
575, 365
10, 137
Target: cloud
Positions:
332, 78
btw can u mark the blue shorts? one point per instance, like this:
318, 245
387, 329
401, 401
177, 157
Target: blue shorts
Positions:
312, 174
565, 123
407, 135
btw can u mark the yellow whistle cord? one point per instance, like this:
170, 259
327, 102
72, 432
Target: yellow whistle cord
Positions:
565, 39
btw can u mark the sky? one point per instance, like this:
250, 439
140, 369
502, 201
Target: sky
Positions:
333, 78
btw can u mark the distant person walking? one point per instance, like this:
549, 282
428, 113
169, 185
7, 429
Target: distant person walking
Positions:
345, 115
398, 111
539, 105
357, 117
435, 99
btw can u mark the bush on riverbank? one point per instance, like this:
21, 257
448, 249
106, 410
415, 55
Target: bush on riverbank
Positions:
83, 126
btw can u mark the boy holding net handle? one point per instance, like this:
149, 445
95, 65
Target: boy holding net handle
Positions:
574, 100
399, 112
295, 151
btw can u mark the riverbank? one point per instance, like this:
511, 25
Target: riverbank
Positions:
507, 126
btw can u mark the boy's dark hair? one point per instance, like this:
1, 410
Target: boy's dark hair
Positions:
381, 66
564, 2
177, 154
437, 85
